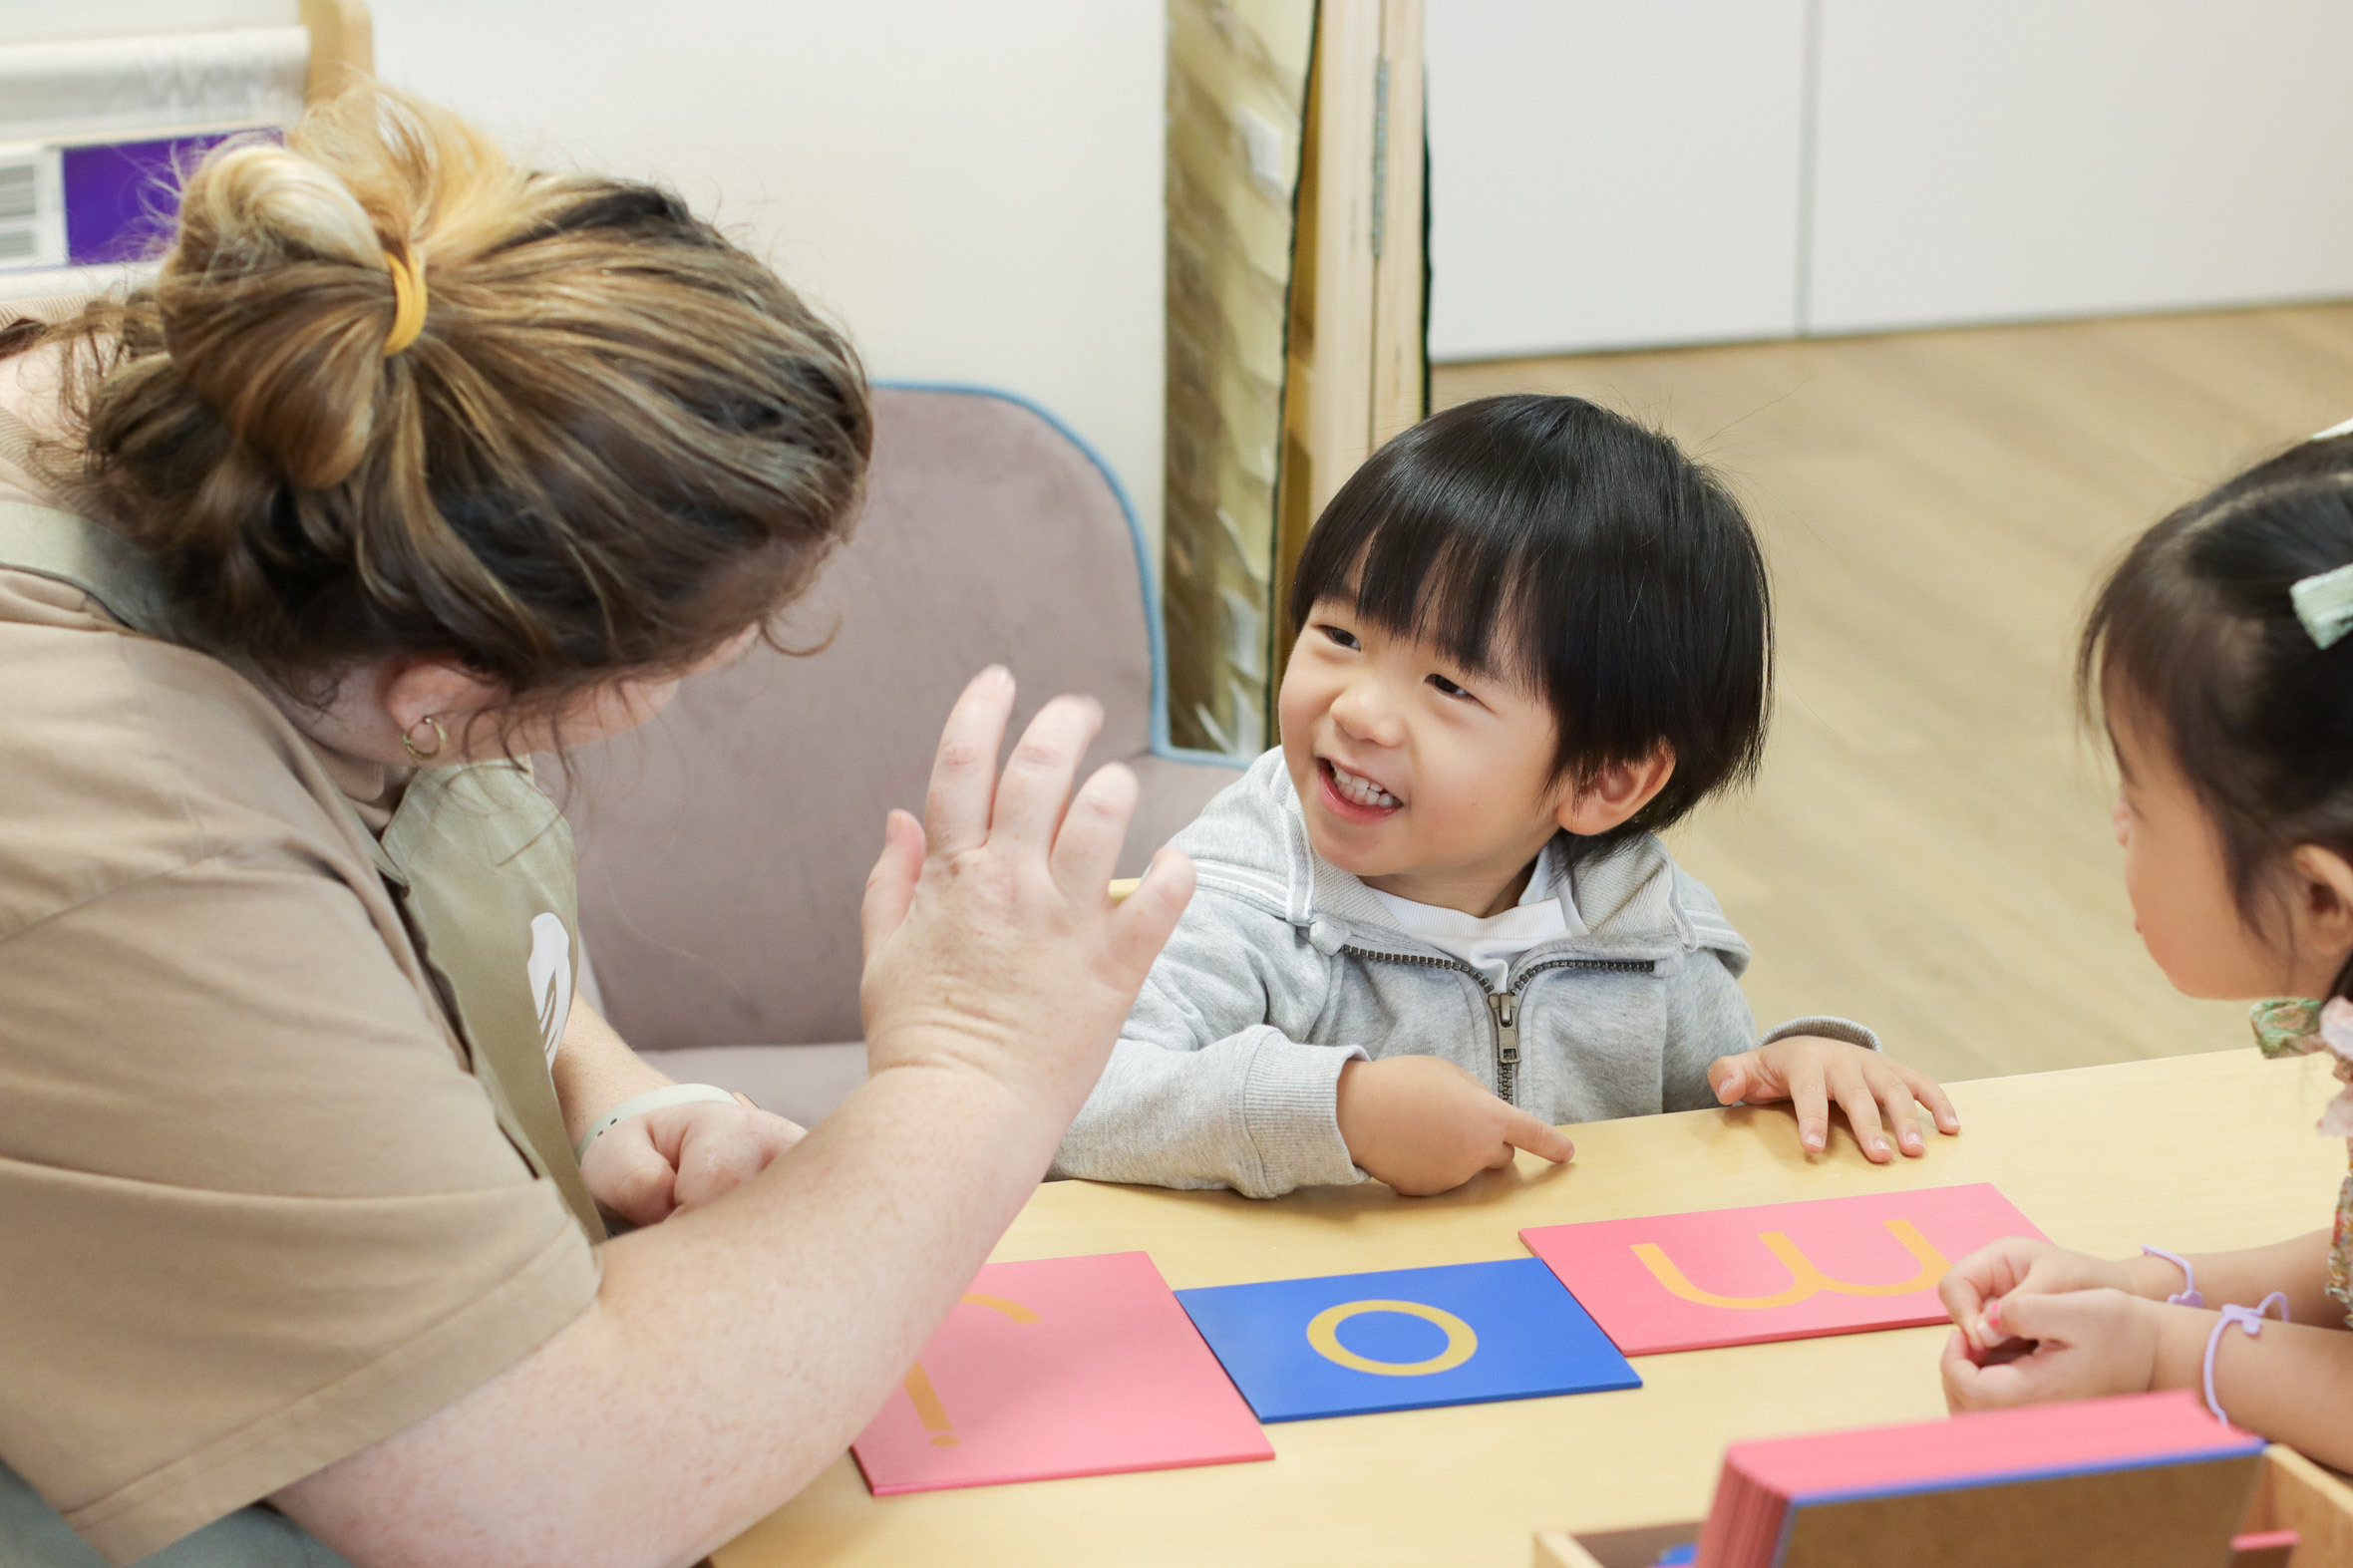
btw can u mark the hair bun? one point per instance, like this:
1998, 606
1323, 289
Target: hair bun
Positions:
621, 441
276, 303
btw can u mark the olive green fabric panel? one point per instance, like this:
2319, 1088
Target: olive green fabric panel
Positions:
483, 865
60, 545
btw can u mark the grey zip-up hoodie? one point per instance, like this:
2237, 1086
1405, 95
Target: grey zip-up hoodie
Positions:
1284, 968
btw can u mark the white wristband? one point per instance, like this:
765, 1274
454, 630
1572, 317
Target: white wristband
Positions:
652, 1099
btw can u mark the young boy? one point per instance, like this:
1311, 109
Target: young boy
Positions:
1436, 920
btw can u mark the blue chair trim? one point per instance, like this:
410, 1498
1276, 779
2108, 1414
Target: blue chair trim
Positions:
1145, 581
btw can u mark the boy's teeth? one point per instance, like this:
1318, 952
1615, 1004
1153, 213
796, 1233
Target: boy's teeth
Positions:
1362, 790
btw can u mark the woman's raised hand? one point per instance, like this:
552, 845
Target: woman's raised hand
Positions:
992, 946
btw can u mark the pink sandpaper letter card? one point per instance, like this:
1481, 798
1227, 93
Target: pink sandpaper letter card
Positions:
1780, 1271
1057, 1368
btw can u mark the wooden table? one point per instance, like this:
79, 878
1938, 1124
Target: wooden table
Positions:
2192, 1153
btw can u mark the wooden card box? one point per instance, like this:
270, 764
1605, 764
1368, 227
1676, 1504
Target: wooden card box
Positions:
2296, 1495
2292, 1493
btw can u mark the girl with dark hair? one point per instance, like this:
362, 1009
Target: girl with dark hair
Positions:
2217, 656
1438, 920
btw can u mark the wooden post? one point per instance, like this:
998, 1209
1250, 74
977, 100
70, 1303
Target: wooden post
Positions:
1401, 380
1355, 372
342, 46
1295, 317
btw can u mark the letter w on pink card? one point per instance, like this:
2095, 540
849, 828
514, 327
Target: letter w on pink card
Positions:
1056, 1368
1782, 1271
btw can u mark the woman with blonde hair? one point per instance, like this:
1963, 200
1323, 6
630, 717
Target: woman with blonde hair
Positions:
406, 464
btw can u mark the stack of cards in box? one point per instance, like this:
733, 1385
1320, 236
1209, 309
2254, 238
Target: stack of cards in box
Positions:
2046, 1484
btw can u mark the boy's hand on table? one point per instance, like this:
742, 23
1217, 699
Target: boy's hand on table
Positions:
1809, 1071
683, 1156
1424, 1126
2075, 1346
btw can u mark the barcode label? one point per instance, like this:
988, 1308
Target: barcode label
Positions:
32, 207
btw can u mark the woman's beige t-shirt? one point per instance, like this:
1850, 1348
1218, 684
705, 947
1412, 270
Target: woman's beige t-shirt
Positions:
255, 1212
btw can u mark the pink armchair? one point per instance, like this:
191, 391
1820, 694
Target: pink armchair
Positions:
724, 848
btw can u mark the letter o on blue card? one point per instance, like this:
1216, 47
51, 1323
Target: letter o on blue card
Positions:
1404, 1339
1462, 1343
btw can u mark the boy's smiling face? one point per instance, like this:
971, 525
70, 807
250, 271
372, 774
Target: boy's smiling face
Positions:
1422, 778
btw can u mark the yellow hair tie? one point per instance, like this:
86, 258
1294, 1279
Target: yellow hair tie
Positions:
408, 303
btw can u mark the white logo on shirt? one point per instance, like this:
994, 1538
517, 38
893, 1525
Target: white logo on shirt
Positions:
551, 975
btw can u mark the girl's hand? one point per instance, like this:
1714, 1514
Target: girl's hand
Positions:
1424, 1126
682, 1157
1809, 1071
2075, 1346
1978, 1289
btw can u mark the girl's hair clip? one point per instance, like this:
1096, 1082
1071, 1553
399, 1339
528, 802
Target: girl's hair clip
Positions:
2324, 603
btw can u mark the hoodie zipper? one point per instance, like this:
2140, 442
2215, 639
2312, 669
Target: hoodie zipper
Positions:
1503, 1006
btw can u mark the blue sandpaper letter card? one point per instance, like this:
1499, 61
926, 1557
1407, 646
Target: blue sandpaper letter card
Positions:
1405, 1340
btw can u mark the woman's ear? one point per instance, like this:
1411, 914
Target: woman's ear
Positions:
2324, 909
1616, 792
413, 690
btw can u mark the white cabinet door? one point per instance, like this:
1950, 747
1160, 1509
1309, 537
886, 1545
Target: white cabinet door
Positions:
1993, 160
1612, 176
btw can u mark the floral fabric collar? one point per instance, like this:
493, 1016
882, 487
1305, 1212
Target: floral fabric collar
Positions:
2302, 1026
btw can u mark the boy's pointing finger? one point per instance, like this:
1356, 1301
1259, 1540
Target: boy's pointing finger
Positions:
1540, 1137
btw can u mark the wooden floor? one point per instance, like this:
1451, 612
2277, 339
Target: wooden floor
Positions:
1928, 849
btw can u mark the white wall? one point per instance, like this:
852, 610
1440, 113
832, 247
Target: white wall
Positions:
34, 21
1991, 159
1605, 175
974, 190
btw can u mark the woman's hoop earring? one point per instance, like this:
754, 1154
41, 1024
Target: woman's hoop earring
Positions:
441, 740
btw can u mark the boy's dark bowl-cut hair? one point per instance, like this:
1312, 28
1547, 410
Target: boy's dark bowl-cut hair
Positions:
1567, 548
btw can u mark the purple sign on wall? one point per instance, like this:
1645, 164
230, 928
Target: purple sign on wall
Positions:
122, 198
